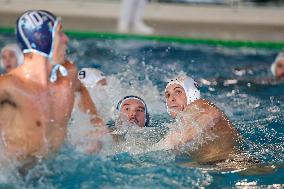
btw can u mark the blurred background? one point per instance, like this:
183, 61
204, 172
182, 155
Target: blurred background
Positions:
246, 20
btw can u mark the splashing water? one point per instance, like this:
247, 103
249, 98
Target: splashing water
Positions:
229, 78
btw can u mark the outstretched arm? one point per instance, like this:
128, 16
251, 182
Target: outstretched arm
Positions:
87, 105
85, 101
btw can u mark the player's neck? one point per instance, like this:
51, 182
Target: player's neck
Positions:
36, 68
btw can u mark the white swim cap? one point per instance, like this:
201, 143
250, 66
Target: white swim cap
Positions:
18, 52
90, 76
190, 87
279, 57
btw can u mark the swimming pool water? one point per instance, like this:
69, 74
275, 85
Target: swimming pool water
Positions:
233, 78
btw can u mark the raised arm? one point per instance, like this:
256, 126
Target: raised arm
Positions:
85, 101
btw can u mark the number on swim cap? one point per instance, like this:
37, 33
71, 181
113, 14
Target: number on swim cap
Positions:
82, 74
34, 19
196, 85
35, 30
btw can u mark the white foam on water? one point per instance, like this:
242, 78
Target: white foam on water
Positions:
9, 174
176, 137
85, 137
107, 97
136, 140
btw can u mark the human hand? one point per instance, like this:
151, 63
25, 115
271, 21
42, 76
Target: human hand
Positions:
97, 121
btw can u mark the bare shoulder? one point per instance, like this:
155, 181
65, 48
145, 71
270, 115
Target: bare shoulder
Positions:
203, 105
9, 86
8, 82
207, 104
214, 110
208, 110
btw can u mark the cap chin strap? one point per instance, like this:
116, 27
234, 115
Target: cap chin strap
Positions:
55, 68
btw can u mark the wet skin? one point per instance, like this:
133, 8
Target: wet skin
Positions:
34, 112
199, 116
134, 111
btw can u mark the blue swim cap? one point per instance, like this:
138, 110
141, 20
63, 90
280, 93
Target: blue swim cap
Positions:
147, 116
35, 32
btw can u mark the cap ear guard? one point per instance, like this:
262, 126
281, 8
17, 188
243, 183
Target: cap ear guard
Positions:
147, 115
147, 122
273, 68
191, 89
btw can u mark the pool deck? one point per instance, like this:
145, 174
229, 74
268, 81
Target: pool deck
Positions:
182, 20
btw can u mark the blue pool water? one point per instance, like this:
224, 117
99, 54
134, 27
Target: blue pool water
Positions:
233, 78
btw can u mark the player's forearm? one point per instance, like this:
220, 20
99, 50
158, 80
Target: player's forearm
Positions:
89, 107
86, 102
